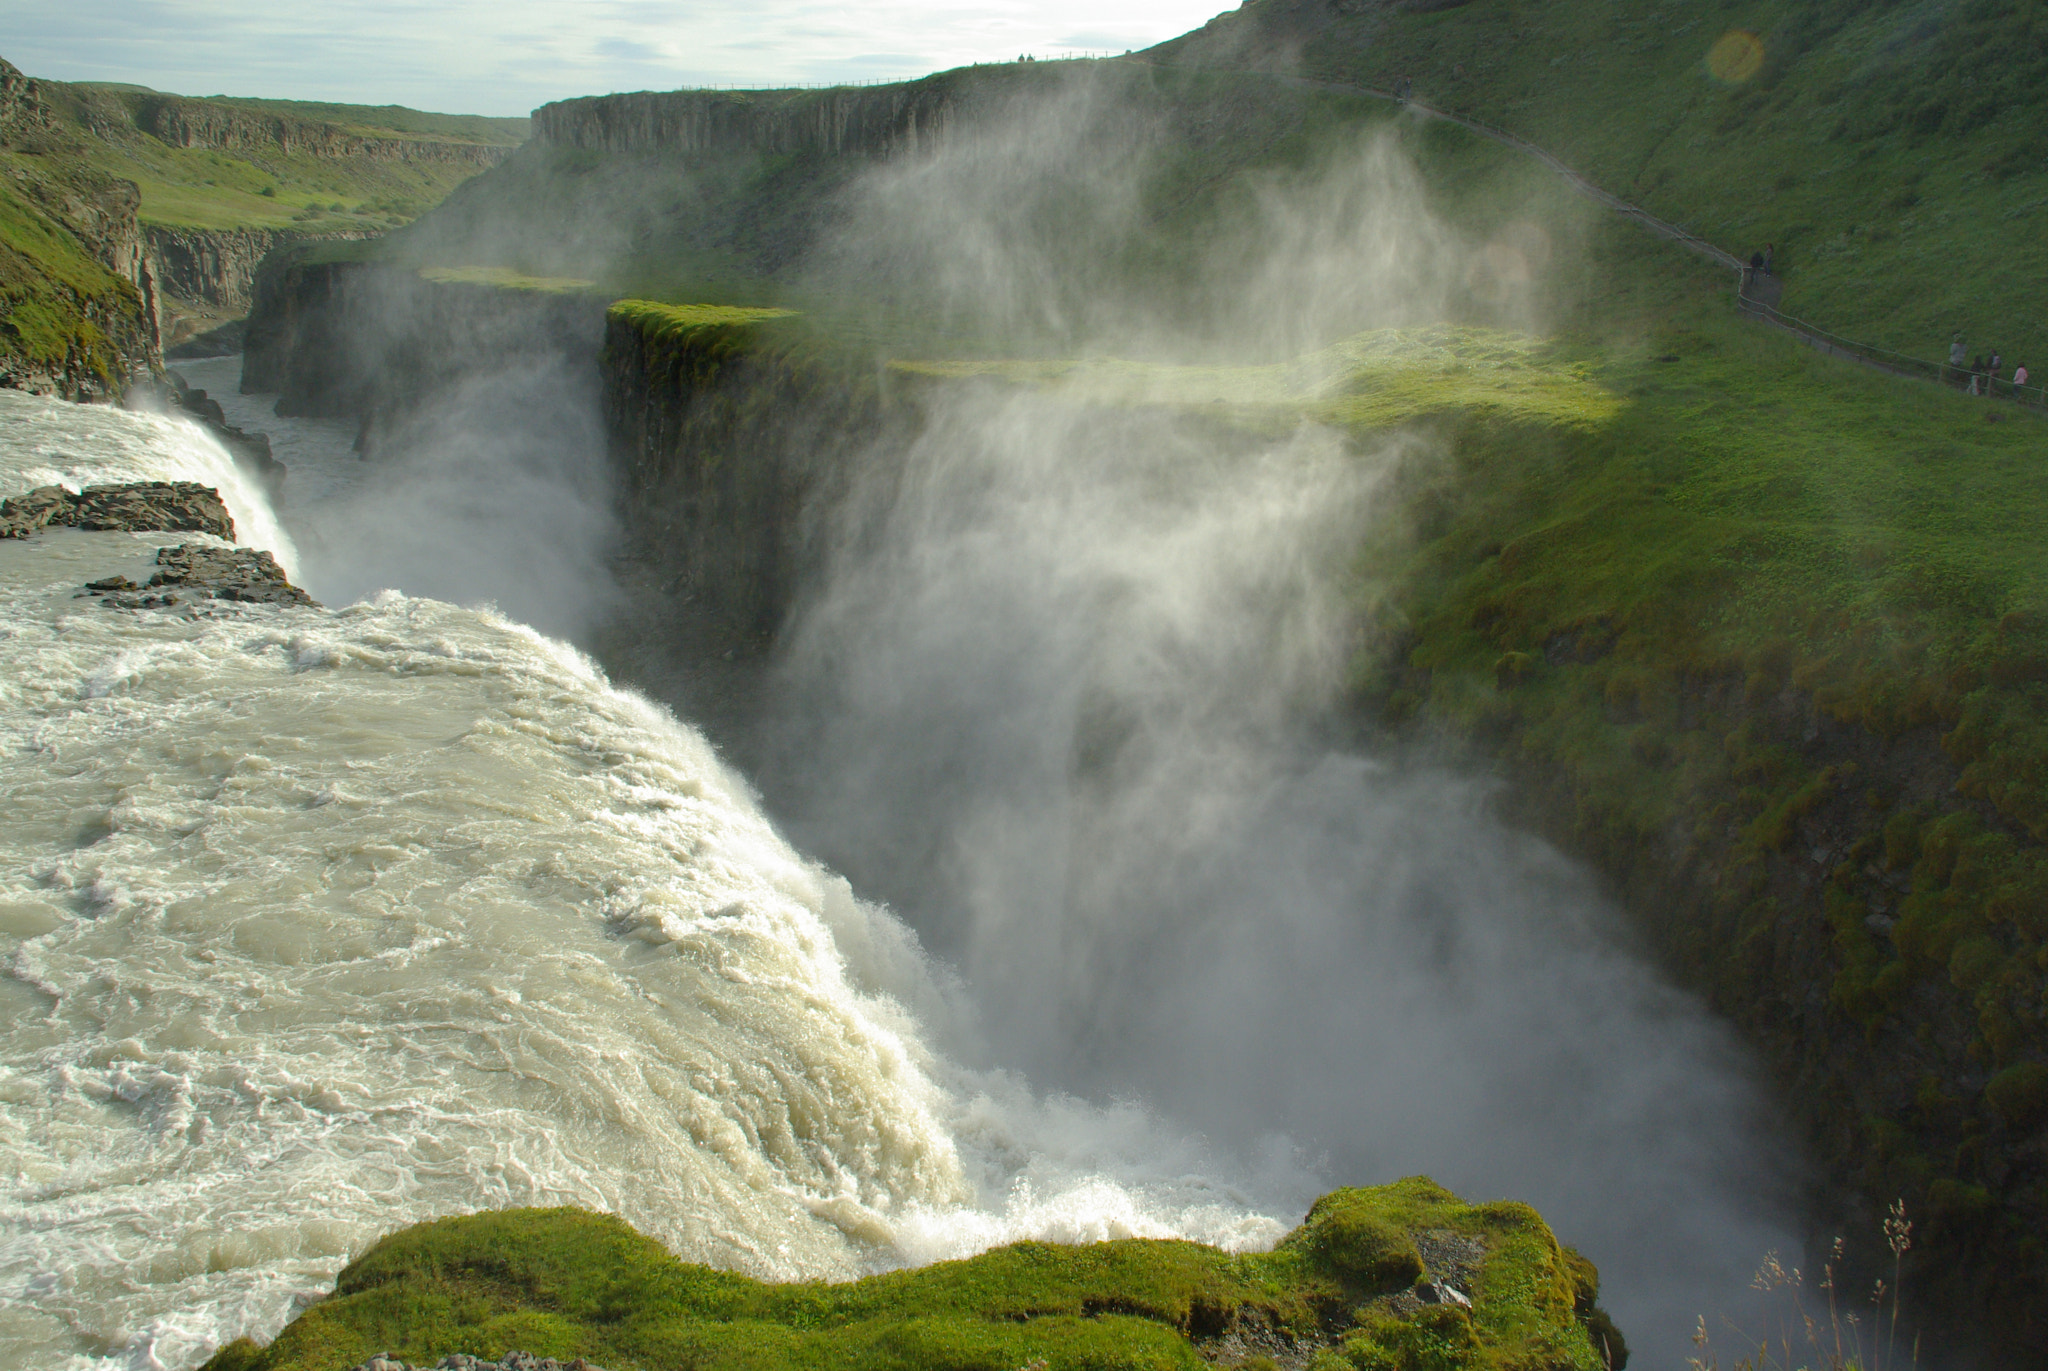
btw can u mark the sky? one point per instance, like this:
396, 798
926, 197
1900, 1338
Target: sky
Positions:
507, 56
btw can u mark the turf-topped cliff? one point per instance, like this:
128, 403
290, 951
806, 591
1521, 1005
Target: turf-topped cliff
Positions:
1394, 1276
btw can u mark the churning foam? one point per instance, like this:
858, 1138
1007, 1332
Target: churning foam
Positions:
317, 923
46, 442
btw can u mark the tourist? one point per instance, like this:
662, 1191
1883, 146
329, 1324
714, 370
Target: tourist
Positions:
1770, 249
2019, 379
1955, 361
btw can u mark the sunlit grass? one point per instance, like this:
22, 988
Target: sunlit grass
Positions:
504, 278
1380, 378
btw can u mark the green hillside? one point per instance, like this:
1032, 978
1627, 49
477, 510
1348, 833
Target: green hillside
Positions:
279, 163
1896, 153
67, 321
87, 170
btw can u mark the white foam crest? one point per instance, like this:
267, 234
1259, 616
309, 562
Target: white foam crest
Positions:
53, 442
317, 923
320, 923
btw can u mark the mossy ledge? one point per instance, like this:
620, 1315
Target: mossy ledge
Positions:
1356, 1285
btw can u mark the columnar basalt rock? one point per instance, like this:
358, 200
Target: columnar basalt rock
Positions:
184, 123
878, 121
217, 267
370, 341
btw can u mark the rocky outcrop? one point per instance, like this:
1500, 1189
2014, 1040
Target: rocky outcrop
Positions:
877, 120
370, 341
728, 453
196, 571
24, 116
217, 267
137, 507
66, 328
184, 123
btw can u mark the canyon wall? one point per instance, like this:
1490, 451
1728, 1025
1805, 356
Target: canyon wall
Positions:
217, 267
870, 121
729, 443
183, 123
370, 341
79, 310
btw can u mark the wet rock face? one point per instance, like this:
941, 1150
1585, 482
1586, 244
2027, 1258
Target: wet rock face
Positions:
194, 571
217, 267
141, 507
251, 450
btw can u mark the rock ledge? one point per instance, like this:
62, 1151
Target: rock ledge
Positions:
195, 571
139, 507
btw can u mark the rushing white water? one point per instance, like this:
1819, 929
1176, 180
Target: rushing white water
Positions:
43, 443
318, 922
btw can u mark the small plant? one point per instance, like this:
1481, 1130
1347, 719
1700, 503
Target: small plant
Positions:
1806, 1340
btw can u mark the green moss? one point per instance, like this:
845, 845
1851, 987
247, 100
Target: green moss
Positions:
2020, 1094
563, 1283
504, 278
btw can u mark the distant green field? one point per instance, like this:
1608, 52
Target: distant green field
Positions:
269, 187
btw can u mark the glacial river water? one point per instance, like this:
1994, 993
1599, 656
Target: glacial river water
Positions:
320, 921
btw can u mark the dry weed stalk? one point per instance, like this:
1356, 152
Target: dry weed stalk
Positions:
1835, 1344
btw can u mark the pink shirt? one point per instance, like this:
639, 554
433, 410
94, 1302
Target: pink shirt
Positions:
2019, 377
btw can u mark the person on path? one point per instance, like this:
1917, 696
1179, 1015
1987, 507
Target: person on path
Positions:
1955, 361
1991, 381
2019, 380
1770, 250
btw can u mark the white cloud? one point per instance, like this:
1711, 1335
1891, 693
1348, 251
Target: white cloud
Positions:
506, 56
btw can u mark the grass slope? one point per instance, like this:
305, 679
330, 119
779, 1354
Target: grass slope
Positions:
566, 1283
1896, 153
277, 169
61, 309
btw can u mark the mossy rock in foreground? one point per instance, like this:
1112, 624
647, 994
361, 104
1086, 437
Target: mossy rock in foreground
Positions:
1352, 1287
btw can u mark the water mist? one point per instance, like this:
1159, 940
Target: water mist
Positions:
1064, 694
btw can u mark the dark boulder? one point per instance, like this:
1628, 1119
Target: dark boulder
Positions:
195, 571
139, 507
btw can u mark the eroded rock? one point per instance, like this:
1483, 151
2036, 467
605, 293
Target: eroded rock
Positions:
137, 507
194, 571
